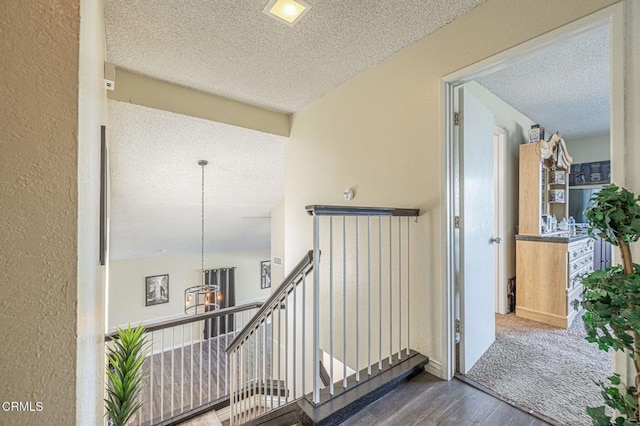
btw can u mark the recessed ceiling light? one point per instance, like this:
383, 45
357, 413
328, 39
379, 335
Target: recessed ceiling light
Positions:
287, 11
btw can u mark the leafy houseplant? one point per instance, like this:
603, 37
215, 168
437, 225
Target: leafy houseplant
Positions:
124, 374
611, 299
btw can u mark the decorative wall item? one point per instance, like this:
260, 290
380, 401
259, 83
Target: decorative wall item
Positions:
536, 133
557, 176
265, 274
594, 173
157, 289
556, 195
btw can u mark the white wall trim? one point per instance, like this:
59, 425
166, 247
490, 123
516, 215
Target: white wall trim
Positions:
447, 368
530, 48
435, 368
500, 135
612, 16
617, 110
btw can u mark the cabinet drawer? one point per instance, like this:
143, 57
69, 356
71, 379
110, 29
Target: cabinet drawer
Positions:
572, 295
580, 263
579, 249
575, 279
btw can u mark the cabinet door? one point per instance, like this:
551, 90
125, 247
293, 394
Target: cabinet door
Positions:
532, 193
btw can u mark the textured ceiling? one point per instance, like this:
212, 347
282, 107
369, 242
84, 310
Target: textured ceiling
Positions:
156, 183
230, 48
565, 88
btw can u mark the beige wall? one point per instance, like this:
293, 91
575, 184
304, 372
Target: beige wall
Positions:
630, 156
127, 283
381, 132
143, 90
392, 111
277, 245
39, 199
592, 148
632, 102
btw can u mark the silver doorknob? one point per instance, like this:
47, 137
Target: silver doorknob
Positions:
495, 240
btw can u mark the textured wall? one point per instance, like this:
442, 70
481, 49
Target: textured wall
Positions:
38, 208
631, 154
381, 132
277, 245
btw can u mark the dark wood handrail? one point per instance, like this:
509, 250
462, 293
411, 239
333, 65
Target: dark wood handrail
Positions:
321, 210
302, 269
194, 318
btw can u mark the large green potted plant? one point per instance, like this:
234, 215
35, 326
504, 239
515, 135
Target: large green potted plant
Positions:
611, 300
125, 354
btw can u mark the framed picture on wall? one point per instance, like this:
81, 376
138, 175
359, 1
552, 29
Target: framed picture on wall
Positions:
157, 289
265, 274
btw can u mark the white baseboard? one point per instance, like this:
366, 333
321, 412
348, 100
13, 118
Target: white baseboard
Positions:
434, 367
224, 413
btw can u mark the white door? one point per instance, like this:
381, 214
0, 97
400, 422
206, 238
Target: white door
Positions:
477, 253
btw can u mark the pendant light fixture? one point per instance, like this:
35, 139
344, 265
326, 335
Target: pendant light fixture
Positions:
201, 298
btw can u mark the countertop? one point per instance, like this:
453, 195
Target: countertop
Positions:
563, 237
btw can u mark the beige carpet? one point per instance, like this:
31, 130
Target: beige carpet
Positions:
544, 369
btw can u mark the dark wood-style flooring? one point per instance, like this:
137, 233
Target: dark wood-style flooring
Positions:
176, 379
177, 373
427, 400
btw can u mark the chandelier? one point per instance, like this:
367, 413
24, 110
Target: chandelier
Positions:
204, 297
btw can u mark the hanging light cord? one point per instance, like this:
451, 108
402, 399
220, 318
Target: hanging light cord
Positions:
202, 163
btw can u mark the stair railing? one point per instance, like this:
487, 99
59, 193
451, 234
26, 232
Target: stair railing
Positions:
187, 369
361, 293
267, 356
350, 320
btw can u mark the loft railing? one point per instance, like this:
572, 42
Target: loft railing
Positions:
187, 369
351, 319
361, 300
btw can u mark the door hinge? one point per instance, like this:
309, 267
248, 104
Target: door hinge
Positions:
456, 222
456, 118
457, 326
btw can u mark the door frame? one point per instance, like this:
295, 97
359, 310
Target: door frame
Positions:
500, 141
613, 17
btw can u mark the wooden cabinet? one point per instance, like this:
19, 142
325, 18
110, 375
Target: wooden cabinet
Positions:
542, 191
549, 271
549, 266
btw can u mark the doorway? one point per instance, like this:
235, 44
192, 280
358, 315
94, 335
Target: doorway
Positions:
460, 319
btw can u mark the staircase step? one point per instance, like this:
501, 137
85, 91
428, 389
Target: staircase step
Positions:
349, 401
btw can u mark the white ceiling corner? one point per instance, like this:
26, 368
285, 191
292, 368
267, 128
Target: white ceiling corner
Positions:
156, 183
565, 88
